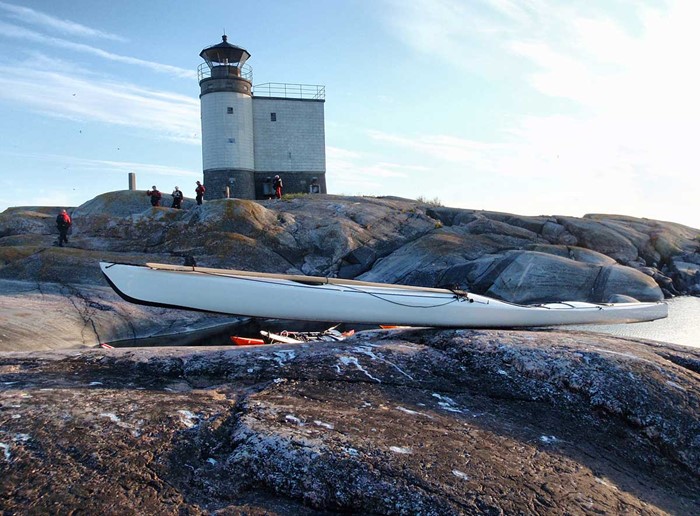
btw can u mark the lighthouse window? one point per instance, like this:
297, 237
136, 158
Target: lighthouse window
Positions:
229, 110
273, 117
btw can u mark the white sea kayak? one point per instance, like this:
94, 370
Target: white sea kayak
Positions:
310, 298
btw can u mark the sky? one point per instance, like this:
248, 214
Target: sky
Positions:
532, 107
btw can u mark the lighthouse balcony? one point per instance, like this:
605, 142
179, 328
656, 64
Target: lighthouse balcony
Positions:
224, 71
290, 91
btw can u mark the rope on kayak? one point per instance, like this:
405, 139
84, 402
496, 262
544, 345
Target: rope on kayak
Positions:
460, 294
456, 298
566, 303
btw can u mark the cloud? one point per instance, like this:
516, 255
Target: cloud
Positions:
335, 153
617, 73
121, 167
351, 171
16, 32
30, 16
75, 180
364, 166
77, 164
86, 97
469, 35
622, 140
548, 165
431, 26
619, 58
446, 148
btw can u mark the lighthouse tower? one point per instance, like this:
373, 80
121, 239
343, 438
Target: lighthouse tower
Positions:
251, 134
227, 121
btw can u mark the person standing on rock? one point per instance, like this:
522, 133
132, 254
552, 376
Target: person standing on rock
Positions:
155, 196
200, 192
63, 222
277, 185
177, 198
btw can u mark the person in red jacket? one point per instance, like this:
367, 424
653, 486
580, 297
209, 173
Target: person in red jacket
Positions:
200, 192
155, 196
63, 222
277, 185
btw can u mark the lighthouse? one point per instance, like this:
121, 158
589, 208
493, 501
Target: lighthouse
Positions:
252, 133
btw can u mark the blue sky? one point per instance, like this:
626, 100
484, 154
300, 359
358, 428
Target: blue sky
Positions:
529, 107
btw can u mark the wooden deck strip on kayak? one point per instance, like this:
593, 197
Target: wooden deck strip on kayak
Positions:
309, 280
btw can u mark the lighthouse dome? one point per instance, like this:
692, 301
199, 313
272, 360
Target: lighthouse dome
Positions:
225, 53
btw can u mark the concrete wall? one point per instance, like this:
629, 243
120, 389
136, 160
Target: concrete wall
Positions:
240, 182
297, 182
295, 141
227, 138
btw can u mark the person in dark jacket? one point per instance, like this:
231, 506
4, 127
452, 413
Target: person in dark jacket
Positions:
177, 198
63, 222
155, 196
200, 192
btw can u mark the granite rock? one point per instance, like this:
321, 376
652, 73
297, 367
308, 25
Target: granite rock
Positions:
598, 258
387, 422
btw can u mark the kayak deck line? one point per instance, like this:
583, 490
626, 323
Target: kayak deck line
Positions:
311, 280
323, 280
315, 281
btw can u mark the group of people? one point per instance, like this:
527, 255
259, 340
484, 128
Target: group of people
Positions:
64, 222
156, 196
177, 195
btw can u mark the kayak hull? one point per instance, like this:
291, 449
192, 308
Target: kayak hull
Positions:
334, 300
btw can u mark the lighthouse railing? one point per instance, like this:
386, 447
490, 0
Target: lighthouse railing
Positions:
204, 71
290, 91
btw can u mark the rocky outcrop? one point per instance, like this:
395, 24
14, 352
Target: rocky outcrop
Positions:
400, 422
649, 246
599, 258
685, 268
386, 422
45, 316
